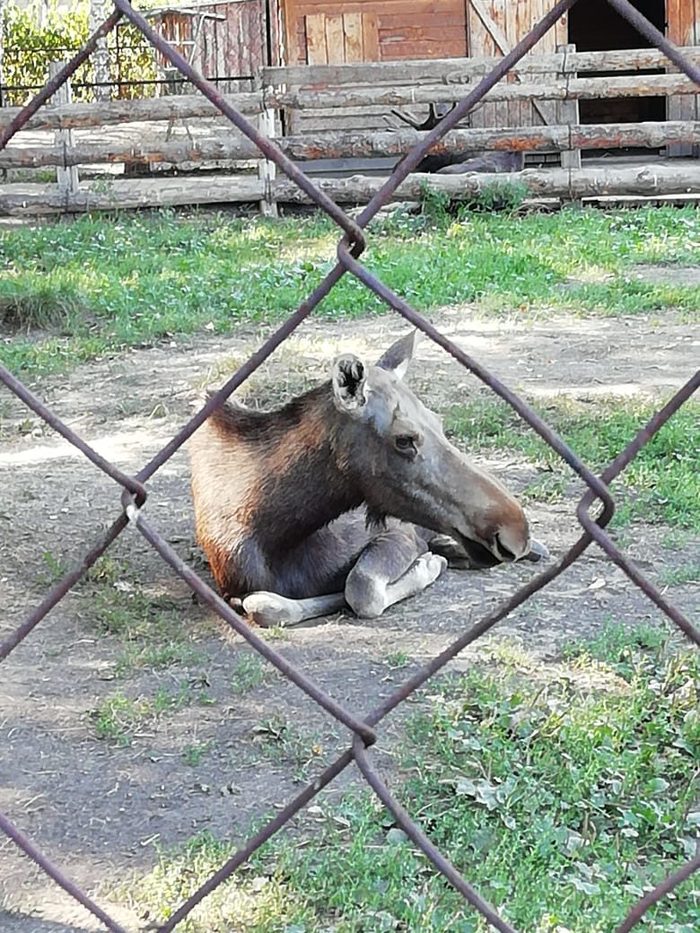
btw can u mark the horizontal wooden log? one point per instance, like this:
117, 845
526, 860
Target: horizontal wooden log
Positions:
130, 194
111, 113
645, 180
561, 89
376, 143
192, 106
654, 180
464, 70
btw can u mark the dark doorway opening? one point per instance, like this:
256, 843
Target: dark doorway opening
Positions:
596, 26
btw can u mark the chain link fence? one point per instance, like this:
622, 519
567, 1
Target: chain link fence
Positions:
363, 728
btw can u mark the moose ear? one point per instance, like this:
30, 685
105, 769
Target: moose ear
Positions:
399, 355
349, 379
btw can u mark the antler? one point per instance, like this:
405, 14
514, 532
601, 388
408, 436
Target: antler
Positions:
430, 122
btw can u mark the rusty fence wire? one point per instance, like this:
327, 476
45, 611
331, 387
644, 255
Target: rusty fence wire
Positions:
135, 492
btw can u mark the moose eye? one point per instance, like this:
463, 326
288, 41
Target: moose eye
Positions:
405, 442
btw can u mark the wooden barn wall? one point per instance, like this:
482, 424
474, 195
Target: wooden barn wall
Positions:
234, 46
495, 26
406, 29
683, 19
320, 31
231, 44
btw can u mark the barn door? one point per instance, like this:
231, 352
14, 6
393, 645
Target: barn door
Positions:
341, 38
683, 28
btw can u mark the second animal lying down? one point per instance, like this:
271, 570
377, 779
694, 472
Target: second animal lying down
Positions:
350, 495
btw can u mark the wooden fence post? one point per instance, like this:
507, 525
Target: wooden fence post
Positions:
568, 109
67, 178
267, 171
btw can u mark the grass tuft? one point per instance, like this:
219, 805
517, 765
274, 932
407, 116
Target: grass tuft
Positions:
249, 671
119, 718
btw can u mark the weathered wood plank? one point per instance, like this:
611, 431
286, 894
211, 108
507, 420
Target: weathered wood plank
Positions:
568, 111
574, 89
464, 70
647, 180
335, 38
354, 48
134, 193
370, 37
360, 144
483, 46
111, 113
316, 49
544, 109
67, 179
517, 111
683, 27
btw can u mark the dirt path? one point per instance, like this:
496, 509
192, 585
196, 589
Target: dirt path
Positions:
99, 809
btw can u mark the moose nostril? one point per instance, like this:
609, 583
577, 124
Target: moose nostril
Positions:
503, 551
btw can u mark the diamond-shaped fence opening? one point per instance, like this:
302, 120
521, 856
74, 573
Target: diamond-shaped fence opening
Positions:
135, 493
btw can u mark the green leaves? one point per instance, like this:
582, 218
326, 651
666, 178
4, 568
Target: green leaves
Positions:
31, 44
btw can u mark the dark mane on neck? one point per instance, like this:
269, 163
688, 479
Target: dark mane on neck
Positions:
252, 424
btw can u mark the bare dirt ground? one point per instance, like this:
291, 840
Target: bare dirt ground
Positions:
99, 809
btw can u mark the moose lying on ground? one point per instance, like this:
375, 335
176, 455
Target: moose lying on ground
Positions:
455, 163
350, 495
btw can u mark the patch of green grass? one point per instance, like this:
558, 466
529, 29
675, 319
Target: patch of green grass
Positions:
173, 651
661, 484
55, 568
619, 646
561, 793
107, 570
119, 717
397, 660
192, 755
498, 195
103, 283
685, 573
251, 904
154, 630
676, 539
249, 671
548, 487
283, 742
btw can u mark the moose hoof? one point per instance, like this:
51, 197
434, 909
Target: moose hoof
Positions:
433, 565
269, 610
428, 568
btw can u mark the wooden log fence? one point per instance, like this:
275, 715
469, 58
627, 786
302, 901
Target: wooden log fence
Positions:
561, 78
465, 70
77, 116
571, 184
563, 88
375, 143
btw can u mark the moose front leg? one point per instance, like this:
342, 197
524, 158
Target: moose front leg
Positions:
393, 566
271, 609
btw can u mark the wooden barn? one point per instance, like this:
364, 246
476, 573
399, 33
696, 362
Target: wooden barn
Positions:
231, 41
336, 81
334, 31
